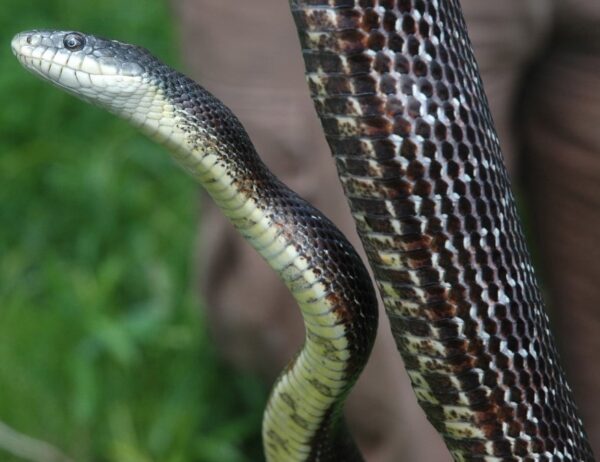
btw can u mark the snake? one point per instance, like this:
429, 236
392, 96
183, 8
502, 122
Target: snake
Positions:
397, 88
302, 420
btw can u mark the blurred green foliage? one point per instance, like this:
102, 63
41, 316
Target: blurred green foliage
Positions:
103, 349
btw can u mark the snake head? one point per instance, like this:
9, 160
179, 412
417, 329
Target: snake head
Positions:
123, 78
93, 68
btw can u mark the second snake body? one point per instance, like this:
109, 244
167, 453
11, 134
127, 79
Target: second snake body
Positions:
400, 98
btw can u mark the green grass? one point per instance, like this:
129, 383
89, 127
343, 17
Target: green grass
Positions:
103, 348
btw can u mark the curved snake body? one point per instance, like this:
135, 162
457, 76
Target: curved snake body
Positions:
319, 266
400, 98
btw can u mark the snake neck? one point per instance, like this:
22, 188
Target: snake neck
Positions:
315, 261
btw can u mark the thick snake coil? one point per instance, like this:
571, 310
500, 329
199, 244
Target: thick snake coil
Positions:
399, 94
400, 98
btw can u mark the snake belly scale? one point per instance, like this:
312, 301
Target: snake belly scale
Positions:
321, 269
400, 98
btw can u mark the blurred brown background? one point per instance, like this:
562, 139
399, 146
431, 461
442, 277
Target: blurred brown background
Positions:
540, 61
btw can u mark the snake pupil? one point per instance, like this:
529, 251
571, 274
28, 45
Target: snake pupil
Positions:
74, 41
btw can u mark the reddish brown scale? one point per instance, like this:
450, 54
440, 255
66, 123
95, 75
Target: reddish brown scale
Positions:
403, 108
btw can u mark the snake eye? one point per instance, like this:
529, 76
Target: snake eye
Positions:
74, 41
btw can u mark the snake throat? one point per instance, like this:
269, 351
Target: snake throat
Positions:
399, 95
302, 421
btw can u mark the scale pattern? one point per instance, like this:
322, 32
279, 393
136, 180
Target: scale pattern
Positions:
398, 91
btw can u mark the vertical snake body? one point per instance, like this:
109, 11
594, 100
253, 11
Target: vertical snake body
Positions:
398, 91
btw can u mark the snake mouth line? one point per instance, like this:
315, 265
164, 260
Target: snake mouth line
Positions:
83, 80
36, 62
29, 64
34, 65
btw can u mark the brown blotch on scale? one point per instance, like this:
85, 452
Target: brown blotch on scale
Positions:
402, 64
388, 188
348, 19
416, 242
402, 126
370, 20
319, 20
352, 166
351, 41
333, 106
438, 309
331, 126
415, 327
371, 105
350, 146
418, 259
394, 106
377, 225
447, 329
389, 22
394, 276
384, 149
342, 311
362, 205
337, 86
387, 85
366, 4
422, 188
376, 41
326, 62
359, 64
364, 84
374, 126
396, 43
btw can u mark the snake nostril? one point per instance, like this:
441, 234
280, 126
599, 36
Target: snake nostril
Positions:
29, 39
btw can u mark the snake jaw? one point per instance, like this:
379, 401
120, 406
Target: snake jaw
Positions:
97, 70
